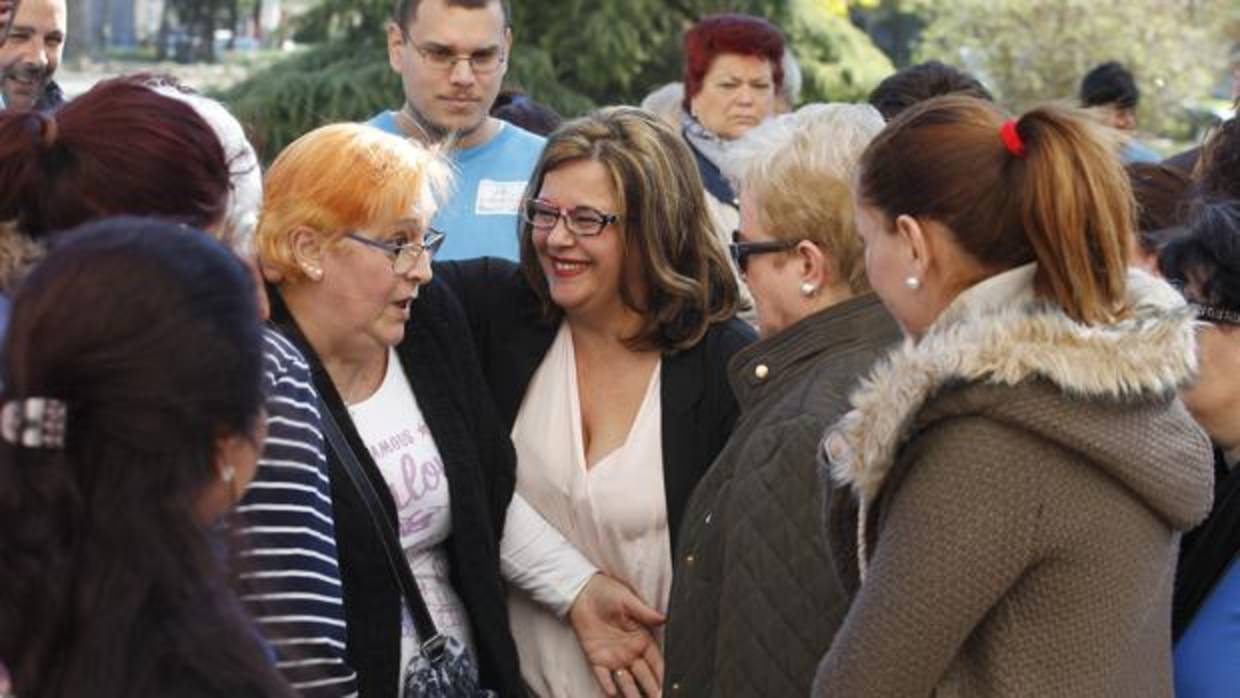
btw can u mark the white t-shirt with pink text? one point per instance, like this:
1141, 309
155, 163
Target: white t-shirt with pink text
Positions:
402, 446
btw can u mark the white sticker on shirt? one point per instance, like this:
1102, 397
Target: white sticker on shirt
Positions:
498, 198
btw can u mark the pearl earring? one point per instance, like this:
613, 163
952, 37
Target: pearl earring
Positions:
314, 273
913, 283
808, 289
228, 473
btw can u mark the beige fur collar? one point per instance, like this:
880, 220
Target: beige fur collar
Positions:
1151, 353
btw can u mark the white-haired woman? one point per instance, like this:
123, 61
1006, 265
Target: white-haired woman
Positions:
752, 566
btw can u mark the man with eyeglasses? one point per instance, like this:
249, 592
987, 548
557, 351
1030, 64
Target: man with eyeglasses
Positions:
452, 56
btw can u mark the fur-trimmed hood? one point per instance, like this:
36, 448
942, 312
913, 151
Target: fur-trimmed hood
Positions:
998, 334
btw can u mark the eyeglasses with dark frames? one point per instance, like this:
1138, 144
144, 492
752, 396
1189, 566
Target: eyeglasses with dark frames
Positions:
581, 221
405, 255
741, 250
482, 62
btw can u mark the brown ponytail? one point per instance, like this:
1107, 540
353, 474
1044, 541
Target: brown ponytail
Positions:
1064, 203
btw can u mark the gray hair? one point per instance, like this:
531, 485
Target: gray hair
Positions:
244, 173
665, 103
797, 170
822, 138
790, 89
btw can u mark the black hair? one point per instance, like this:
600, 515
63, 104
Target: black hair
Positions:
1220, 162
1110, 83
1205, 263
918, 83
1163, 202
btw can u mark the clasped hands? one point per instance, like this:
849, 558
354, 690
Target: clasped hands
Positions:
615, 629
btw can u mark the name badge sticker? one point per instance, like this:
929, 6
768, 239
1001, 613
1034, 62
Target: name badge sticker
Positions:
498, 198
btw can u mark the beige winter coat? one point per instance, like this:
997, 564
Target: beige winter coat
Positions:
1020, 482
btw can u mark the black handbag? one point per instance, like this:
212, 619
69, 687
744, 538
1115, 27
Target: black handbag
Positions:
442, 667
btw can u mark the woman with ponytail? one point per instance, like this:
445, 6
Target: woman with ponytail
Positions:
130, 423
1008, 491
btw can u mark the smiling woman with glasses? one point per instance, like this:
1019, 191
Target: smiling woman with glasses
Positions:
581, 221
606, 350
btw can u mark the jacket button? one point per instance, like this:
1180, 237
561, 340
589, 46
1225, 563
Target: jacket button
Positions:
709, 516
676, 687
690, 559
761, 371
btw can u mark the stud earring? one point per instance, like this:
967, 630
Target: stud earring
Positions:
228, 473
314, 273
913, 283
808, 290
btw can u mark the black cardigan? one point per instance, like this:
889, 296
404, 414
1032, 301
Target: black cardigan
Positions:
513, 335
479, 461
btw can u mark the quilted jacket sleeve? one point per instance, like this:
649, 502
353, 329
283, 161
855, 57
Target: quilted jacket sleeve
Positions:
780, 603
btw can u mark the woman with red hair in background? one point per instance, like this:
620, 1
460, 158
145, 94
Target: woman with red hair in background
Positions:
733, 71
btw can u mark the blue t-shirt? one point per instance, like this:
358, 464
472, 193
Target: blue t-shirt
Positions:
1136, 151
480, 218
1207, 657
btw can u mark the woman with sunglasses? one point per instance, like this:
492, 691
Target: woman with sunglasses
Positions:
606, 350
761, 576
1205, 264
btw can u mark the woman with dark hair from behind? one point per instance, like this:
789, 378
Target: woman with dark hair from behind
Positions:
121, 451
1163, 196
1218, 173
1012, 482
1206, 265
142, 145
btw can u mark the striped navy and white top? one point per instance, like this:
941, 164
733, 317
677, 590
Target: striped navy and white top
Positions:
289, 568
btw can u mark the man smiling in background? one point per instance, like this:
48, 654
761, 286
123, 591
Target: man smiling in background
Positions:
30, 55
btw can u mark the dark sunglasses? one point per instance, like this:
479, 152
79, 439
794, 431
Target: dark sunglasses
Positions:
740, 250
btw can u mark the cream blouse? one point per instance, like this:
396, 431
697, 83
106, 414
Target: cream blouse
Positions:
615, 513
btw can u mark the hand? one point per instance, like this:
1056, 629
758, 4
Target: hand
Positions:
613, 627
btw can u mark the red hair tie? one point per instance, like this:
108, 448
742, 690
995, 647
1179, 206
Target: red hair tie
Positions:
1011, 139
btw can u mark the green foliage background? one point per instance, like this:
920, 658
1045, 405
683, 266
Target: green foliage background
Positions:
572, 55
1037, 50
